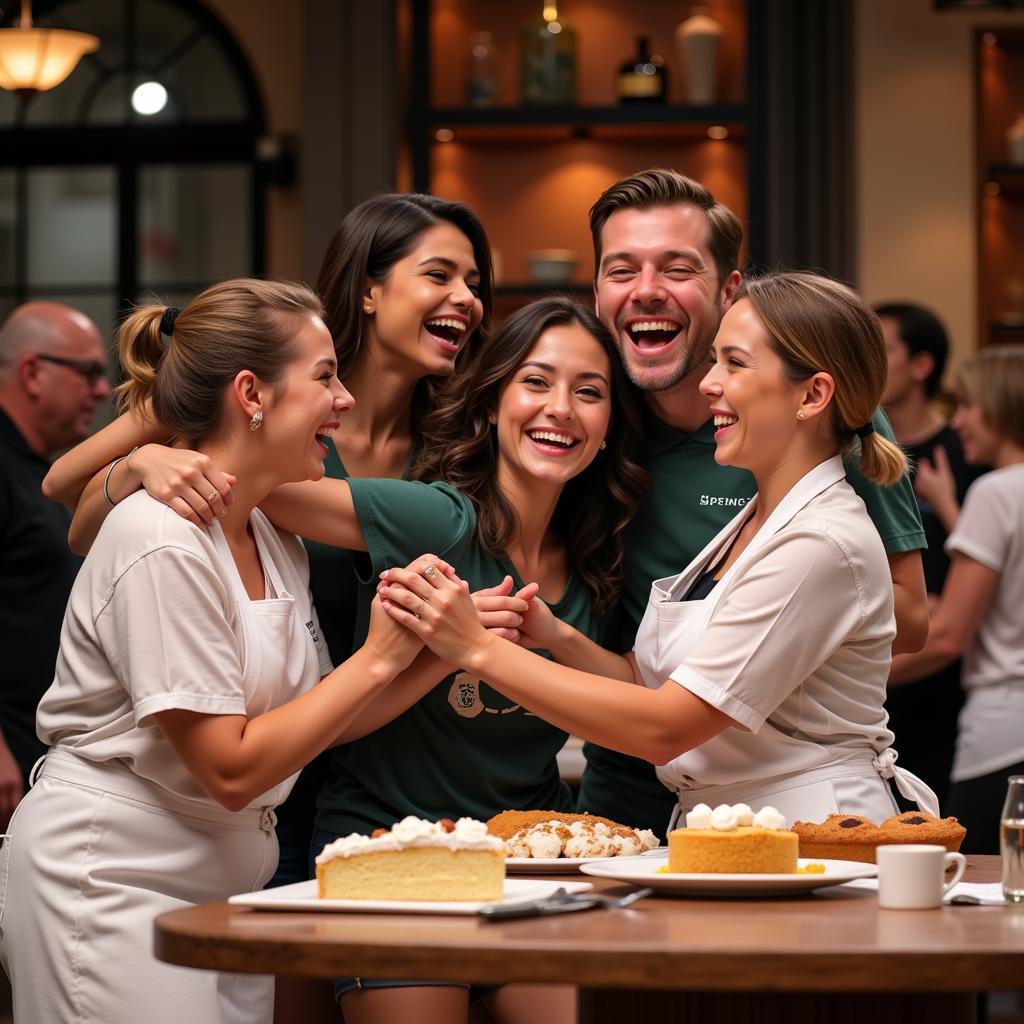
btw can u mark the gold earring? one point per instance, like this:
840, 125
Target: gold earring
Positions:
367, 307
604, 444
800, 414
257, 420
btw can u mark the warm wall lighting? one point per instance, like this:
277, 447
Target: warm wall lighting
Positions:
444, 135
990, 38
718, 132
991, 188
37, 59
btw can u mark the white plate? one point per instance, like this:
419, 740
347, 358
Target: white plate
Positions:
643, 871
302, 896
564, 865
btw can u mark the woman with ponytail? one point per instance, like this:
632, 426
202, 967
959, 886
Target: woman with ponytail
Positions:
760, 671
192, 682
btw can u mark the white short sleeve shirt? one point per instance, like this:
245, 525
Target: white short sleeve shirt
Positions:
151, 625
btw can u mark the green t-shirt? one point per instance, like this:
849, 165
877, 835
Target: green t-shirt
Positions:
463, 749
691, 499
333, 581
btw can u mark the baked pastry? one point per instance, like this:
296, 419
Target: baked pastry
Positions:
552, 834
732, 840
852, 837
839, 837
415, 860
918, 827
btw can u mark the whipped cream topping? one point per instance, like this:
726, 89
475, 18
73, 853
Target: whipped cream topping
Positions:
550, 839
467, 834
726, 817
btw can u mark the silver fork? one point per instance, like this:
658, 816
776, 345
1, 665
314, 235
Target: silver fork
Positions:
559, 902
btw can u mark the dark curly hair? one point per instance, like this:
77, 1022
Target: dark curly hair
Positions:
458, 446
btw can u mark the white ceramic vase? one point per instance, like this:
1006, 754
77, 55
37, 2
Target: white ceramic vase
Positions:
1015, 141
698, 39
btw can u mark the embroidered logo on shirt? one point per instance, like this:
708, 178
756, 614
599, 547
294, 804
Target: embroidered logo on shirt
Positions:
313, 633
464, 697
714, 499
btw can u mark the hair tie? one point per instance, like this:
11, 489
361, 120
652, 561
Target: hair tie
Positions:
865, 431
167, 320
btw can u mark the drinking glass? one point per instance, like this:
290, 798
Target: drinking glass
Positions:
1011, 840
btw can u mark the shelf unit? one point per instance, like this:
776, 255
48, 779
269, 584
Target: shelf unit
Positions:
999, 98
531, 173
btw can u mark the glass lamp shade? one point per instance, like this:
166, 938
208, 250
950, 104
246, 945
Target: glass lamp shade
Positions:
36, 59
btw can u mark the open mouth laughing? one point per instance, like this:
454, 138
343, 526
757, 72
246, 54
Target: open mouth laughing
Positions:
448, 331
553, 440
652, 332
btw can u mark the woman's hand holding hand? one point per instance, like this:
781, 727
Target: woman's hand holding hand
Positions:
388, 639
435, 607
500, 611
185, 480
393, 644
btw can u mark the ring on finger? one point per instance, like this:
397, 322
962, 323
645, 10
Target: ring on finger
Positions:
213, 497
429, 571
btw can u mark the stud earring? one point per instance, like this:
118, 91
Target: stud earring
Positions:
257, 420
800, 414
604, 444
367, 308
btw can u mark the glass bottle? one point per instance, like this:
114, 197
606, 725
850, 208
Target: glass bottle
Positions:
1011, 840
548, 59
641, 79
481, 82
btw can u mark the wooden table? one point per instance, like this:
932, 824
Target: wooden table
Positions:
832, 957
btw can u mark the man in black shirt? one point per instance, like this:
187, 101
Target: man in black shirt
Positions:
52, 375
923, 714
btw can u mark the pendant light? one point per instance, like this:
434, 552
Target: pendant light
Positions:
36, 59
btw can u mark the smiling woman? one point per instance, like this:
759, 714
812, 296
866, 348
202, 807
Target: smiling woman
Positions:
192, 683
759, 670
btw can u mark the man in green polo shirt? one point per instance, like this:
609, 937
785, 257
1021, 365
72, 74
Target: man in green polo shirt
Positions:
665, 258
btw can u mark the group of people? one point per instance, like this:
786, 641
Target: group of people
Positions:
675, 525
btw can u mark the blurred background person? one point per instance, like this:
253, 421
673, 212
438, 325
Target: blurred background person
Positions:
978, 616
52, 377
923, 712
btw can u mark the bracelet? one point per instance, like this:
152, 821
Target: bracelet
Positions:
110, 469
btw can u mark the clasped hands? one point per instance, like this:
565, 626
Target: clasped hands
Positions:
430, 600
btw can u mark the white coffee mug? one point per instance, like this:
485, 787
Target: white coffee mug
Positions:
912, 877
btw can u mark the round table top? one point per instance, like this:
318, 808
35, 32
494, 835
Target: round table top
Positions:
832, 940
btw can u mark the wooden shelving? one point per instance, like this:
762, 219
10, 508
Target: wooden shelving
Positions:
999, 99
531, 173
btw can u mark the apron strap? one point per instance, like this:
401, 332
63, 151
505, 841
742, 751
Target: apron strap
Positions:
34, 774
909, 785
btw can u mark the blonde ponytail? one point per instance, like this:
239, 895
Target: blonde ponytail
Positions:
881, 461
140, 348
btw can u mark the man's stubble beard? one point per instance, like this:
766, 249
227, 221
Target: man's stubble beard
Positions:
700, 336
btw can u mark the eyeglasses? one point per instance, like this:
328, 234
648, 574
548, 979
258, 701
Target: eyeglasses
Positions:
92, 370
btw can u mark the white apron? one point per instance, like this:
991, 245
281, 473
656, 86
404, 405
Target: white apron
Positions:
851, 783
95, 853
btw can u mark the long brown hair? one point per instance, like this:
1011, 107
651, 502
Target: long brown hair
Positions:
817, 325
237, 325
371, 239
459, 447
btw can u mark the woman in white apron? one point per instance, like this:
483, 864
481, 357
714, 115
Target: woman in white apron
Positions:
185, 696
764, 663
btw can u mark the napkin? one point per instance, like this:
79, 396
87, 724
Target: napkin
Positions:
988, 893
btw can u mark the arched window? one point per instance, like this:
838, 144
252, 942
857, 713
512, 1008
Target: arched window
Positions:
102, 203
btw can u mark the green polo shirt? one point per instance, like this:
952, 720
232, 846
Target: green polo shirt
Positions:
691, 499
463, 749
